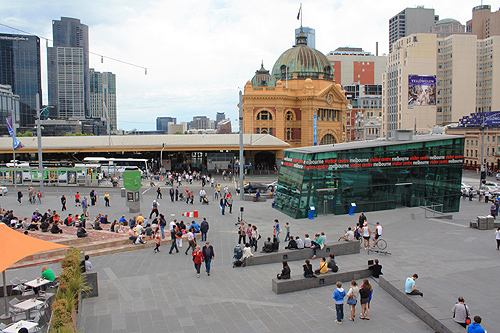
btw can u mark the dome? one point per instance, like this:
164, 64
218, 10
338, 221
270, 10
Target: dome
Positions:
447, 21
303, 61
262, 78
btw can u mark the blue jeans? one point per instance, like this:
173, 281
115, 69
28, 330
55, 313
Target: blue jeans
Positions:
340, 312
203, 236
207, 264
287, 237
162, 231
278, 236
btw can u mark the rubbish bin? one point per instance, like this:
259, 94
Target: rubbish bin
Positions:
482, 224
123, 191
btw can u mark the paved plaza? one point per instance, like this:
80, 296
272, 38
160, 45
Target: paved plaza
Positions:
141, 291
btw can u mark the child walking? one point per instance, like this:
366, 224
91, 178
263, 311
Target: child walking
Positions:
157, 240
338, 296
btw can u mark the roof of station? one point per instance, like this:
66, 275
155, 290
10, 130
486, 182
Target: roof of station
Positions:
370, 144
118, 143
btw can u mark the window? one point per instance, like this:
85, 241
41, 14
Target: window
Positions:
289, 115
264, 115
328, 139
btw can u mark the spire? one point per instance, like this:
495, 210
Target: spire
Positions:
301, 38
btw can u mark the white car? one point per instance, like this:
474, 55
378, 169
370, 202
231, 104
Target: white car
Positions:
3, 190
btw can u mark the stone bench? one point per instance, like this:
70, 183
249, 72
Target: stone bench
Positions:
437, 318
338, 248
299, 282
252, 197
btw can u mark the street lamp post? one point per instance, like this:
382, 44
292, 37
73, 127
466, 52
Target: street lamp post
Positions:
241, 172
161, 162
415, 124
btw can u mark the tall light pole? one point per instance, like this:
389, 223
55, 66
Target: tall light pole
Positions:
242, 191
415, 125
39, 140
161, 162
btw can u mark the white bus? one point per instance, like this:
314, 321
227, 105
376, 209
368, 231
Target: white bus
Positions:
119, 165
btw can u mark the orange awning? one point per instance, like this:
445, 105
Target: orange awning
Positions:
15, 246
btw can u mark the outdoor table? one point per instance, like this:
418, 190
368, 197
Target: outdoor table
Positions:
14, 328
28, 305
37, 283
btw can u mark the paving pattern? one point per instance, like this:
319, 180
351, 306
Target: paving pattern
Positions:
141, 291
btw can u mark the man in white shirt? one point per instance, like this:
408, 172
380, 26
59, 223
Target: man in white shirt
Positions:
202, 193
307, 241
172, 225
349, 235
378, 233
300, 243
191, 241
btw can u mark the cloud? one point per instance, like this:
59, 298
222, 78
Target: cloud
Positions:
199, 52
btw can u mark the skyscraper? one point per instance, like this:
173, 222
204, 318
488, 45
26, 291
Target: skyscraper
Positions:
220, 116
20, 68
162, 123
69, 33
310, 34
103, 97
410, 21
484, 23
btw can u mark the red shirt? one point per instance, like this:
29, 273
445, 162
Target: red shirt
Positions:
198, 257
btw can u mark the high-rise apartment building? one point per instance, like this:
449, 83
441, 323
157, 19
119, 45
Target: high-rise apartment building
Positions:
20, 68
366, 103
410, 21
103, 97
447, 27
355, 66
201, 122
162, 123
69, 33
220, 116
66, 81
488, 76
310, 34
484, 23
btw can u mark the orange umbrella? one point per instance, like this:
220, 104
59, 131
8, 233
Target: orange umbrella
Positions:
15, 246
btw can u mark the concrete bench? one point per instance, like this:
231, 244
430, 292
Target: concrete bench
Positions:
299, 282
252, 197
338, 248
437, 318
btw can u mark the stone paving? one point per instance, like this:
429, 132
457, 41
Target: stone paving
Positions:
145, 292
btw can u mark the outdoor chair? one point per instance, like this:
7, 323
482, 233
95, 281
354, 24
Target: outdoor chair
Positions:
15, 315
16, 284
25, 291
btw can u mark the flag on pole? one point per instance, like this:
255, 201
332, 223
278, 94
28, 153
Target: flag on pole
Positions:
298, 15
10, 127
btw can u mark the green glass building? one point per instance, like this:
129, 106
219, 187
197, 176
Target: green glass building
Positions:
375, 175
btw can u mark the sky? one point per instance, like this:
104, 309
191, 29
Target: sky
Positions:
200, 53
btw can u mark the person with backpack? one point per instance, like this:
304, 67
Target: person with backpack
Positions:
204, 229
154, 209
63, 203
19, 197
163, 224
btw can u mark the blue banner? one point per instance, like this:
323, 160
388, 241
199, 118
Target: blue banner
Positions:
315, 125
10, 127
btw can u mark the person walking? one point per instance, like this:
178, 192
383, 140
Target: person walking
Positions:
63, 203
39, 196
208, 255
352, 298
157, 240
173, 237
163, 224
365, 293
287, 228
106, 199
85, 206
159, 195
154, 209
276, 230
475, 327
204, 229
497, 236
223, 204
19, 197
461, 312
366, 235
77, 199
229, 201
191, 240
338, 296
197, 259
378, 233
172, 193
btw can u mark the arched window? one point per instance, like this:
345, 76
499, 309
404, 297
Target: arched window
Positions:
264, 115
289, 134
289, 115
328, 139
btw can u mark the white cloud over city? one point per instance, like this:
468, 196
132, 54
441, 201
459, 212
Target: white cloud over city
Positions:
200, 52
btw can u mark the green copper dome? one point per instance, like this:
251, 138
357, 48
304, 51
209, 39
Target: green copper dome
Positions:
262, 78
303, 61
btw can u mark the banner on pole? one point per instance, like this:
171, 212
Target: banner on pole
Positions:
10, 127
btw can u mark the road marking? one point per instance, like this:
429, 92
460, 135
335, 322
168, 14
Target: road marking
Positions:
121, 289
470, 239
146, 190
455, 224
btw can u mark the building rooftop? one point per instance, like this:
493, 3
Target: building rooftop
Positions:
370, 143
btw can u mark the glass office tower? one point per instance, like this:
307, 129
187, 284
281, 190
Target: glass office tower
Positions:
375, 175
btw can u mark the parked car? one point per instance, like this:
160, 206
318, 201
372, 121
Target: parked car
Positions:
253, 187
3, 190
272, 186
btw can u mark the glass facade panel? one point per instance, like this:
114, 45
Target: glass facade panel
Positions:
409, 173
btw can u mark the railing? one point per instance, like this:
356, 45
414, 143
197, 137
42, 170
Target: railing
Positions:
431, 207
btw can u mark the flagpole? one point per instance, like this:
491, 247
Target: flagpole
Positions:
301, 14
14, 177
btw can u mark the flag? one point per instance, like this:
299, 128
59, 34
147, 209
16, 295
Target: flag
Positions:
17, 143
298, 15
